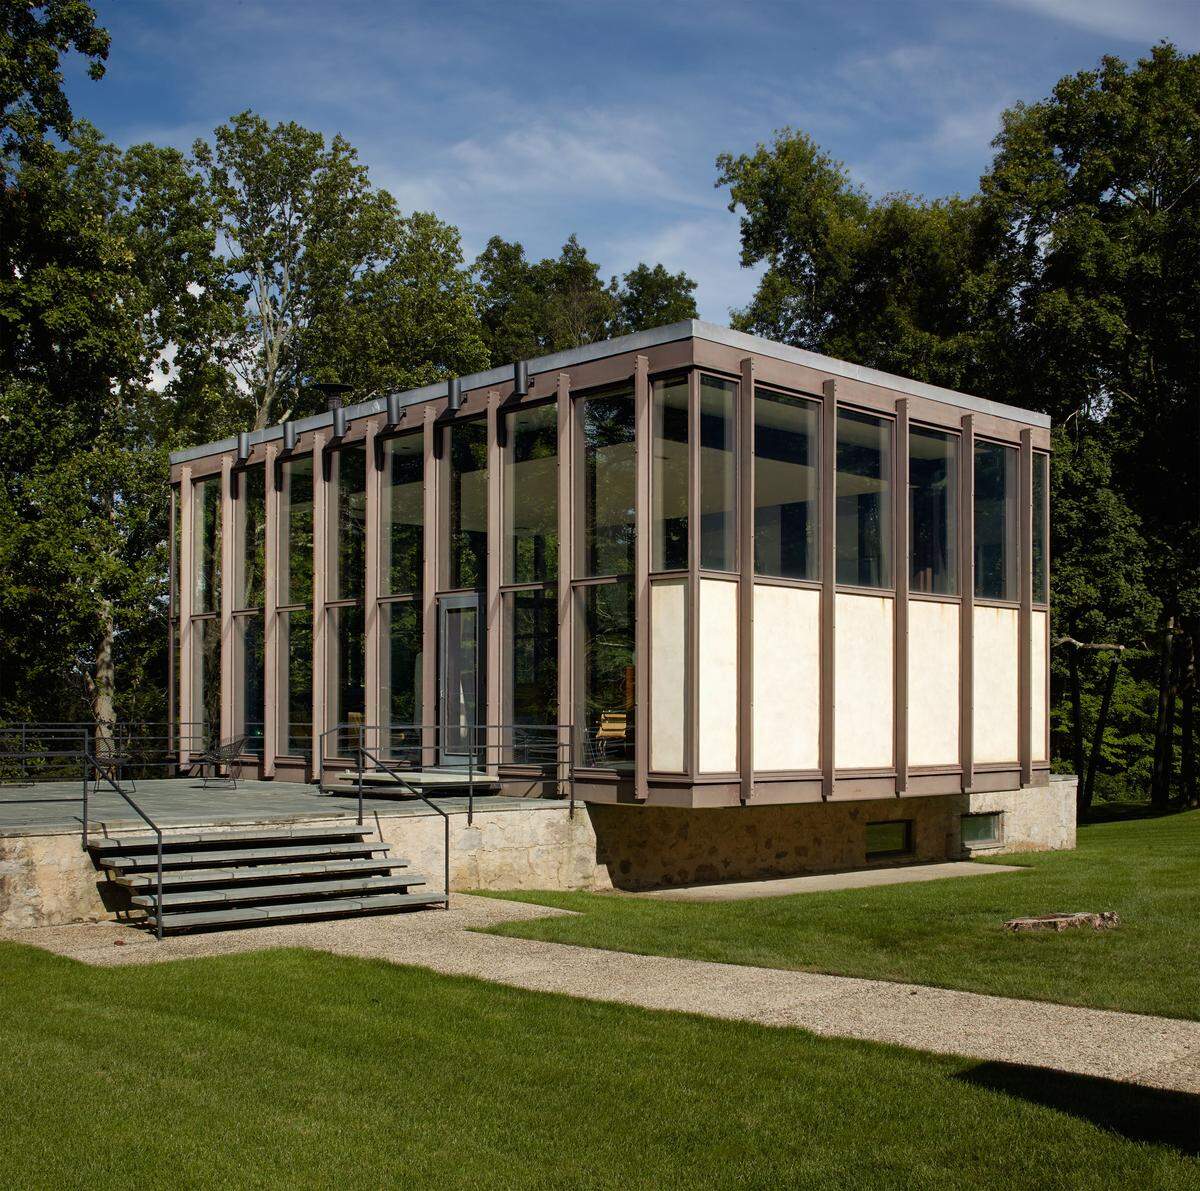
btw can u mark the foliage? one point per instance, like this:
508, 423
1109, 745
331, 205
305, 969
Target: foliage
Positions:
335, 283
531, 308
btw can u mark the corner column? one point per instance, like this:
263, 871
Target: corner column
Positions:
566, 567
429, 584
319, 588
270, 616
228, 554
745, 533
900, 612
641, 576
966, 569
186, 597
828, 527
493, 703
1025, 616
371, 593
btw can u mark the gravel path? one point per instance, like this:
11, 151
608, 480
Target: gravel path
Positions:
1155, 1051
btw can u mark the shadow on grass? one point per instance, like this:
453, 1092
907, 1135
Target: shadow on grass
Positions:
1125, 812
1151, 1115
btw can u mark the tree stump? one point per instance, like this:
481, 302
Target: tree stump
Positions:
1105, 920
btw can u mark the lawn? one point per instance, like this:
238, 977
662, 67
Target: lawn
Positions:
948, 933
292, 1068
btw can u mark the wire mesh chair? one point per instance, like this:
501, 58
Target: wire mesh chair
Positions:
222, 754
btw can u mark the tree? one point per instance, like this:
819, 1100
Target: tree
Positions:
33, 39
651, 297
336, 283
532, 308
109, 258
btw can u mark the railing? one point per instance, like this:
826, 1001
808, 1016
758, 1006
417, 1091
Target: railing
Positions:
363, 756
477, 751
44, 751
102, 771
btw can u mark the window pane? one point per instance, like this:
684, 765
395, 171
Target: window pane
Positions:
402, 515
467, 452
400, 666
864, 500
250, 518
531, 664
296, 532
980, 829
1041, 512
786, 486
605, 688
295, 657
609, 482
248, 682
889, 839
933, 511
206, 550
349, 523
346, 665
669, 485
718, 475
206, 680
995, 522
531, 496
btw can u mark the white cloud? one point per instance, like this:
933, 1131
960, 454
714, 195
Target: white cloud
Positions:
1134, 20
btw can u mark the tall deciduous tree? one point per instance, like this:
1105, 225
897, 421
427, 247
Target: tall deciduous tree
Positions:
651, 297
336, 282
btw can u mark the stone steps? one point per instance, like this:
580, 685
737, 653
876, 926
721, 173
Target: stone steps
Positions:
243, 876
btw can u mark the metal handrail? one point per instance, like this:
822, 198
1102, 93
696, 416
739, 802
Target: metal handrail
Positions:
364, 755
97, 772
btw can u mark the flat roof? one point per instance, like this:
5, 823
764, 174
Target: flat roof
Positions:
687, 329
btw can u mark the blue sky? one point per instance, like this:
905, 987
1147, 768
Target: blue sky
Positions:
537, 118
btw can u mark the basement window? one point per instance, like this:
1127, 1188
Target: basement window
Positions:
980, 830
893, 838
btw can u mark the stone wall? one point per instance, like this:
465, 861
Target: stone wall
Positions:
1036, 819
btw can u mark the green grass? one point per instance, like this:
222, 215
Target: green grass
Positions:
290, 1068
948, 933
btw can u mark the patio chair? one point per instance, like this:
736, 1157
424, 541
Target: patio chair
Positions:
222, 754
613, 730
109, 758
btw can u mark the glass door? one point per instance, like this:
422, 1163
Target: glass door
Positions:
460, 690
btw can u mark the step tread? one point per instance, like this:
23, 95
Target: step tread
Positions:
302, 889
215, 876
281, 912
247, 835
316, 851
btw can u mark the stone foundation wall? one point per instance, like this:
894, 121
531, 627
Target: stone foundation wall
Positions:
48, 880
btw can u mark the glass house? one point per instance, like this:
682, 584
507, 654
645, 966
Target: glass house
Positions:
722, 570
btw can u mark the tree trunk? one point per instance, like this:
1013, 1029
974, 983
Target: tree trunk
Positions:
1164, 744
104, 684
1088, 787
1191, 796
1077, 726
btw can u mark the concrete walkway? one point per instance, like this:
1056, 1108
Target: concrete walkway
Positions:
869, 878
1158, 1052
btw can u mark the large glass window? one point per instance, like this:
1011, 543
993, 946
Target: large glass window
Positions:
349, 523
206, 678
402, 515
718, 475
296, 532
248, 681
531, 645
206, 549
786, 486
250, 523
669, 482
608, 466
531, 495
295, 672
400, 664
995, 522
346, 665
605, 686
933, 511
1041, 528
864, 500
466, 449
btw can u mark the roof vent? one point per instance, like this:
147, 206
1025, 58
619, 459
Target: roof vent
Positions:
453, 393
521, 378
394, 410
243, 450
289, 437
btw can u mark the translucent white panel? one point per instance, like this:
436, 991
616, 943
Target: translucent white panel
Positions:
996, 685
668, 675
933, 697
1037, 687
787, 678
863, 683
718, 676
